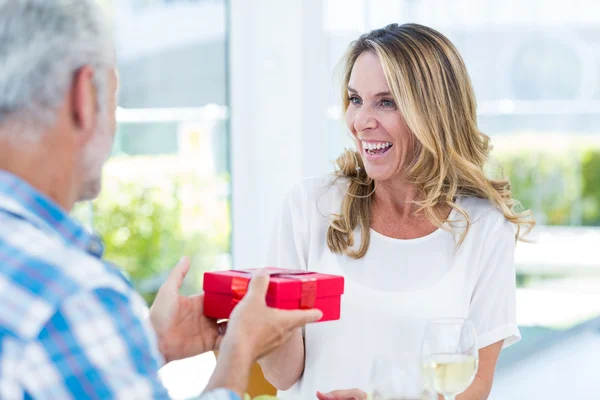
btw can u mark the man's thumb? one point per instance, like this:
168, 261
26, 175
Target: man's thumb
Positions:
178, 274
259, 284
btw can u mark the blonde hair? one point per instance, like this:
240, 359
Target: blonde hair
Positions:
430, 84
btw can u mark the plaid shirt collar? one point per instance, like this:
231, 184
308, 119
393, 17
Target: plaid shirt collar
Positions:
23, 201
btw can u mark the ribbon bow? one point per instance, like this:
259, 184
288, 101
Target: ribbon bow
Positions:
308, 294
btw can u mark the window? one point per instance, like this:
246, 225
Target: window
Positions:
166, 189
167, 186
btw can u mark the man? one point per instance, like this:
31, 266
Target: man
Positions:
70, 325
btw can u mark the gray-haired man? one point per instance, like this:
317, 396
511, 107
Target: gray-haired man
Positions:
70, 325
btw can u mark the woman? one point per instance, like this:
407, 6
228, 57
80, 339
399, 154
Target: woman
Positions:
409, 219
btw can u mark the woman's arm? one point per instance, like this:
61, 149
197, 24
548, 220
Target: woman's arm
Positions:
479, 389
283, 367
289, 249
482, 385
493, 304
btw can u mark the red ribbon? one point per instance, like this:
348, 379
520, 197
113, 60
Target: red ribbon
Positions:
239, 287
308, 294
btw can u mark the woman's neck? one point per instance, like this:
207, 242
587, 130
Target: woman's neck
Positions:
394, 212
397, 197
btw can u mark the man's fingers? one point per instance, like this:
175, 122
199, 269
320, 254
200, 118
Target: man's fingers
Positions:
298, 318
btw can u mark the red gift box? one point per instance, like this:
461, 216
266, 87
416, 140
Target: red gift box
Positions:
288, 290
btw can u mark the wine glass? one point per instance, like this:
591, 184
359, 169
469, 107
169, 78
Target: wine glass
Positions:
392, 380
450, 356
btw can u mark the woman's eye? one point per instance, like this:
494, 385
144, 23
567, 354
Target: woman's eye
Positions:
354, 100
388, 103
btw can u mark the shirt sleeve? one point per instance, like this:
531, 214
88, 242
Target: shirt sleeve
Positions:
95, 347
493, 304
289, 242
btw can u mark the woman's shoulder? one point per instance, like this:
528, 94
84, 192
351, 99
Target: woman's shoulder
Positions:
327, 190
485, 216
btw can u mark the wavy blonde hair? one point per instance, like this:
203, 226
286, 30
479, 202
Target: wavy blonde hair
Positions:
430, 84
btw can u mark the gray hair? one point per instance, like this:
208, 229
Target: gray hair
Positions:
42, 44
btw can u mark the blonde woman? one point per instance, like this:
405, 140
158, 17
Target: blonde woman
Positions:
409, 219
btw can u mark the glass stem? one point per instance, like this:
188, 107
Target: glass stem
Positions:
451, 397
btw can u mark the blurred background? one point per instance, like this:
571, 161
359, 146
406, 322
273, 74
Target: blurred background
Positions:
226, 104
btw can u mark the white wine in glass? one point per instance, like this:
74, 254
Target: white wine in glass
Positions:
450, 356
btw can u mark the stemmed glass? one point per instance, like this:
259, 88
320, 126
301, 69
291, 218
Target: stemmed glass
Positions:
450, 356
391, 380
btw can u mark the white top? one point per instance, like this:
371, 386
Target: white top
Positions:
392, 291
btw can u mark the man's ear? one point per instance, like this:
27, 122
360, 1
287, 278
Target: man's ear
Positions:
84, 102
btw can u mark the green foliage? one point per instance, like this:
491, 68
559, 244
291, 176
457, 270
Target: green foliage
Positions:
142, 230
560, 183
590, 175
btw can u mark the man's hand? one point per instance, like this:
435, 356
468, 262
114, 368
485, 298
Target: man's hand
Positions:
263, 329
182, 329
254, 330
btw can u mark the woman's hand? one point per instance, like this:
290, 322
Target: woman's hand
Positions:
348, 394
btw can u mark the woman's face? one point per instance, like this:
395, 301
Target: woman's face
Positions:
382, 138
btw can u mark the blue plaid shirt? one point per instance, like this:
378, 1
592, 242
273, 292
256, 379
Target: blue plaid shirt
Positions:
71, 326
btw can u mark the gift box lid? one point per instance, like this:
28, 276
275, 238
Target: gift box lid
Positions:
284, 284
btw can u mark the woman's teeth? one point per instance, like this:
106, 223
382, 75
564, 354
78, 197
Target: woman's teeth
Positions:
376, 147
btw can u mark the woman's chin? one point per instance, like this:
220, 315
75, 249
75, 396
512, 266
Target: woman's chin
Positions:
379, 172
